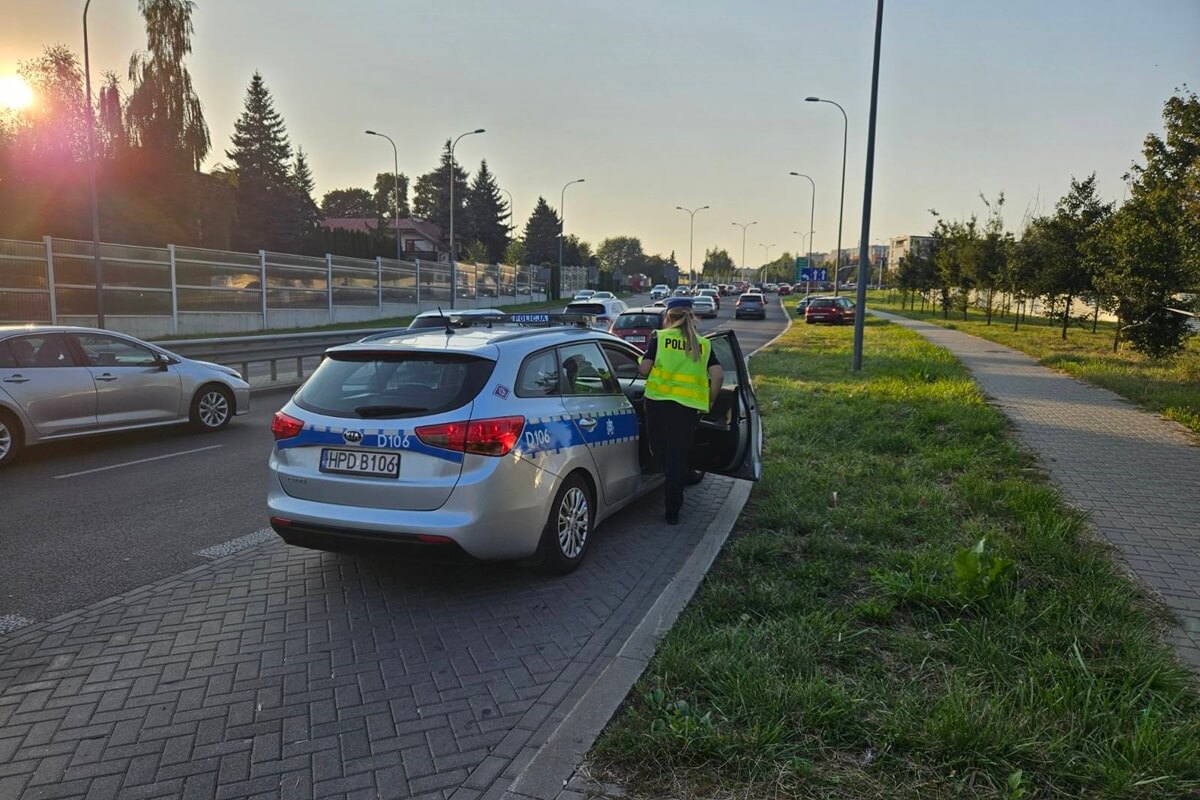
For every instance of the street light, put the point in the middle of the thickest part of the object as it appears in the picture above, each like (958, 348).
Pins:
(396, 182)
(865, 233)
(812, 210)
(766, 259)
(691, 235)
(743, 226)
(562, 227)
(91, 125)
(842, 201)
(453, 262)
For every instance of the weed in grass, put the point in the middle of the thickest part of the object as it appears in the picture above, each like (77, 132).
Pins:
(835, 652)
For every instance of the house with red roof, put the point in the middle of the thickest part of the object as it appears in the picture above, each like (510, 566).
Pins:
(418, 238)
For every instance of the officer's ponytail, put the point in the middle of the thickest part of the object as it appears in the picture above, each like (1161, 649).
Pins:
(682, 318)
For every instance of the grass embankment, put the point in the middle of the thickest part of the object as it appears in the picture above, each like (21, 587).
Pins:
(832, 652)
(389, 322)
(1172, 388)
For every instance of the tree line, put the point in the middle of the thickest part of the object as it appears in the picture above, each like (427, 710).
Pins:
(1139, 259)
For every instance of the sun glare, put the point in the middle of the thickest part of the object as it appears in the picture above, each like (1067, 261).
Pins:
(15, 93)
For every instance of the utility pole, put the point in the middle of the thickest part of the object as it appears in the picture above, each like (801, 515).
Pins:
(691, 236)
(864, 268)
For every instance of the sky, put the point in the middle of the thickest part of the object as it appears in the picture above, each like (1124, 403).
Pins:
(665, 103)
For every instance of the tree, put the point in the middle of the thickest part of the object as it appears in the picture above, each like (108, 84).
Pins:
(384, 201)
(516, 254)
(1070, 239)
(485, 214)
(576, 252)
(431, 195)
(718, 265)
(621, 252)
(989, 253)
(352, 203)
(541, 234)
(307, 217)
(265, 189)
(165, 115)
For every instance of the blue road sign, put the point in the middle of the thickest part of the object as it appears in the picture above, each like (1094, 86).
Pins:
(818, 274)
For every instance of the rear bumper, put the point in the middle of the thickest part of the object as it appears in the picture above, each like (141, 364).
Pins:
(498, 516)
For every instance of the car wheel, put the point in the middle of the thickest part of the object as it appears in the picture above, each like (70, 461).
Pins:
(212, 408)
(568, 530)
(11, 438)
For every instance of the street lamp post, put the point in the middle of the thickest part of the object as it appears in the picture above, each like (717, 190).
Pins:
(812, 210)
(766, 259)
(842, 202)
(453, 259)
(864, 244)
(743, 226)
(562, 228)
(691, 236)
(91, 144)
(395, 186)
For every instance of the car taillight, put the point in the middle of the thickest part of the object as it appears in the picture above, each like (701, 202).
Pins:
(485, 437)
(285, 427)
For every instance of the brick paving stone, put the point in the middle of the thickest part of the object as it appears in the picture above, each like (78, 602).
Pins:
(1136, 474)
(278, 671)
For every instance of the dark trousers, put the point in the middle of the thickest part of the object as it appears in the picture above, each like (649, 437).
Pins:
(672, 429)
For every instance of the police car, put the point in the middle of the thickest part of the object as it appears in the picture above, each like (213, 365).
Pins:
(511, 439)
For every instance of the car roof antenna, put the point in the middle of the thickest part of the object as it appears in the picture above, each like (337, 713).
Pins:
(446, 322)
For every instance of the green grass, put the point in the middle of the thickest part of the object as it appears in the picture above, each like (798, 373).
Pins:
(1171, 388)
(831, 652)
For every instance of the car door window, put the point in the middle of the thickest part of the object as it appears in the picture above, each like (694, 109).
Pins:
(7, 361)
(723, 350)
(624, 363)
(538, 376)
(46, 350)
(109, 351)
(585, 372)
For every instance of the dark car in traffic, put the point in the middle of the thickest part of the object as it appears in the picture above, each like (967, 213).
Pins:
(751, 305)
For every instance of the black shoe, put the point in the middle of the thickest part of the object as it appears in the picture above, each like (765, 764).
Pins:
(672, 518)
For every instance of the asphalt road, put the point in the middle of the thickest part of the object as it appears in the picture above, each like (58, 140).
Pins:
(84, 520)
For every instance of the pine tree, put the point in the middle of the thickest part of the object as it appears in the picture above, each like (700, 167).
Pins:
(431, 199)
(541, 234)
(262, 155)
(307, 216)
(486, 214)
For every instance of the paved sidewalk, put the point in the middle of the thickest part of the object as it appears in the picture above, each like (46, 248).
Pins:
(280, 672)
(1137, 474)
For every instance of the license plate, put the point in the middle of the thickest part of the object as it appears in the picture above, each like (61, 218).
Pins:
(635, 338)
(360, 462)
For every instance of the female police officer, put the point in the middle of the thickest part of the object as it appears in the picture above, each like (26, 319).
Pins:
(683, 379)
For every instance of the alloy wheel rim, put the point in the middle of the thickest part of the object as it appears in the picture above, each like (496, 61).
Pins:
(6, 440)
(214, 409)
(573, 520)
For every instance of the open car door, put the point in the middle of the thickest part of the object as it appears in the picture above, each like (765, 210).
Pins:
(729, 437)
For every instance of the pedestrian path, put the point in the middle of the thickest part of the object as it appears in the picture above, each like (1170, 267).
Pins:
(1135, 473)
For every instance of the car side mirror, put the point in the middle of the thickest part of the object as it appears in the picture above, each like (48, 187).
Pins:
(163, 361)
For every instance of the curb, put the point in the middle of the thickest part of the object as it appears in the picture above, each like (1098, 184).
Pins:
(545, 776)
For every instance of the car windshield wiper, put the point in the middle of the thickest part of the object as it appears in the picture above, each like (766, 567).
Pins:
(367, 412)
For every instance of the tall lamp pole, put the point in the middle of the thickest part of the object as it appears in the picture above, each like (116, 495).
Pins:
(837, 262)
(766, 259)
(743, 226)
(691, 236)
(864, 244)
(812, 210)
(91, 143)
(396, 187)
(453, 259)
(562, 228)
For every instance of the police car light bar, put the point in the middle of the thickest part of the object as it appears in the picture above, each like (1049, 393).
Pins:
(530, 318)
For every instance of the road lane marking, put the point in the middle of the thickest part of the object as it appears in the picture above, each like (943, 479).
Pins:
(12, 622)
(139, 461)
(238, 544)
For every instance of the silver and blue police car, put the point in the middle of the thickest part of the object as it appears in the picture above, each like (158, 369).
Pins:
(510, 439)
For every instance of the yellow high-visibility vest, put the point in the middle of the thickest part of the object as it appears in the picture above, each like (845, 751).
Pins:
(675, 375)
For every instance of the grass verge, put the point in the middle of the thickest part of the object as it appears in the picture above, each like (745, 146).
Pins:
(1171, 388)
(833, 652)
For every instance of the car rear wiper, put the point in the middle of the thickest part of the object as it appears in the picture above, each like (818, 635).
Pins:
(367, 412)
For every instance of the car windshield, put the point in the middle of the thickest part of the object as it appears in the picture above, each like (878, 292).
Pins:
(628, 321)
(374, 385)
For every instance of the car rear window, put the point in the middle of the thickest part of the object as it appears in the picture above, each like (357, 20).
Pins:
(751, 298)
(822, 303)
(596, 309)
(628, 321)
(393, 385)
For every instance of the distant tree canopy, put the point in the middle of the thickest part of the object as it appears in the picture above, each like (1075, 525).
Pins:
(718, 264)
(541, 234)
(431, 199)
(348, 203)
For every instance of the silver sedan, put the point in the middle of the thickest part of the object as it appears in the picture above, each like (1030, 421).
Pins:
(60, 382)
